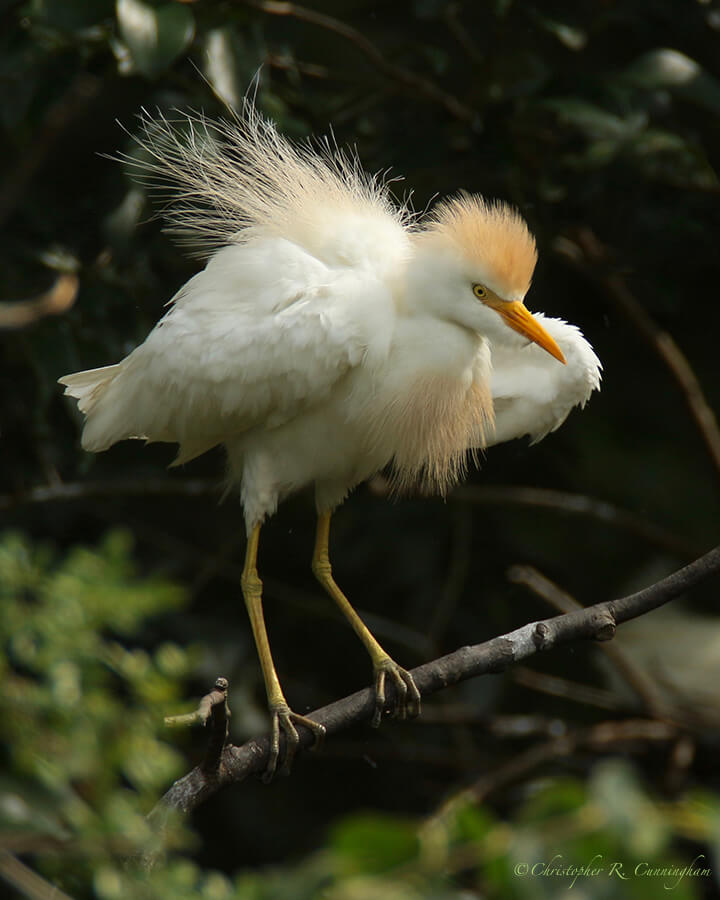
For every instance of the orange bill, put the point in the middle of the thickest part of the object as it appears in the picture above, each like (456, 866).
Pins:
(520, 319)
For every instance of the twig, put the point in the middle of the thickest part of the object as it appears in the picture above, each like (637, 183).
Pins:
(638, 680)
(28, 883)
(406, 77)
(588, 254)
(576, 505)
(598, 737)
(53, 302)
(288, 63)
(460, 33)
(218, 695)
(85, 490)
(596, 622)
(568, 690)
(72, 104)
(212, 706)
(500, 495)
(543, 587)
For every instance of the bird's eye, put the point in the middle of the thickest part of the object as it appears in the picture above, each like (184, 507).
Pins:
(480, 292)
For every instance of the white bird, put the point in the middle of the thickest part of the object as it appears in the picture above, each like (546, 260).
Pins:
(331, 334)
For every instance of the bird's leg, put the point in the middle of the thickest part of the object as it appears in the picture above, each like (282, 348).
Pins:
(282, 716)
(407, 696)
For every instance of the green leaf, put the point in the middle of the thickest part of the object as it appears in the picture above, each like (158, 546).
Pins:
(668, 157)
(374, 843)
(154, 37)
(570, 35)
(672, 71)
(555, 797)
(594, 121)
(616, 790)
(472, 823)
(70, 15)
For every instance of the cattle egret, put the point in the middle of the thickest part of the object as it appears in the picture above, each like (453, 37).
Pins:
(331, 333)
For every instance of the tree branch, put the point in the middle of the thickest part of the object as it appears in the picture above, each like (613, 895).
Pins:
(53, 302)
(76, 100)
(410, 81)
(588, 254)
(640, 682)
(595, 622)
(597, 738)
(28, 883)
(571, 504)
(213, 707)
(563, 502)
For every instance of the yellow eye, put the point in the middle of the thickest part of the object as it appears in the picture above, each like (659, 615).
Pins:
(480, 292)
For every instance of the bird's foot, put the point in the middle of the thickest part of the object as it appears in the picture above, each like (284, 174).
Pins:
(284, 718)
(406, 702)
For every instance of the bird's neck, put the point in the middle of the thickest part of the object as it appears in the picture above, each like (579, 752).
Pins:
(434, 401)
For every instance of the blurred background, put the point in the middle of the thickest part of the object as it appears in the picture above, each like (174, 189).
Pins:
(120, 580)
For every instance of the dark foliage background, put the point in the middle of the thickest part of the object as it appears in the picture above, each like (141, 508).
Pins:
(601, 122)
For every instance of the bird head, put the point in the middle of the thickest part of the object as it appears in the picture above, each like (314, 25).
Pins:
(473, 266)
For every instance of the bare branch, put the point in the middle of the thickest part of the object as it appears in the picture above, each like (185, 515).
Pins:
(568, 690)
(563, 502)
(212, 706)
(467, 41)
(218, 695)
(409, 80)
(288, 63)
(603, 737)
(595, 622)
(636, 678)
(543, 587)
(571, 504)
(53, 302)
(85, 490)
(83, 91)
(588, 254)
(28, 883)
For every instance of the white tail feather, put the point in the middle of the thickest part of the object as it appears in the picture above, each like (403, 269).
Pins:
(87, 387)
(103, 425)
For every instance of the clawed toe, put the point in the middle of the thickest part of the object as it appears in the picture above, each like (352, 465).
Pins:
(284, 718)
(406, 702)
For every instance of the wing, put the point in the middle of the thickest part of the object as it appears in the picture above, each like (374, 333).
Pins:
(534, 393)
(264, 332)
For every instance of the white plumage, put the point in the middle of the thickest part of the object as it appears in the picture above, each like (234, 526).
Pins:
(330, 335)
(532, 396)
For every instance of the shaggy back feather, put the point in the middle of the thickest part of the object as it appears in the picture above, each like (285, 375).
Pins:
(225, 180)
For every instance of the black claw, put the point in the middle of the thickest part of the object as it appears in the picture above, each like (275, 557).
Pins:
(319, 732)
(406, 699)
(412, 702)
(284, 718)
(379, 698)
(401, 689)
(292, 740)
(274, 754)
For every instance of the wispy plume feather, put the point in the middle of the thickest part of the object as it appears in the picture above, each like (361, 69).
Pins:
(223, 181)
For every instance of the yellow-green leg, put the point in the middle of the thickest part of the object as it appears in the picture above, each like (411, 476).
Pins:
(281, 714)
(407, 696)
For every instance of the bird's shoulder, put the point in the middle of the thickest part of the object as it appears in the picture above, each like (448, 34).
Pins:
(368, 239)
(270, 296)
(264, 332)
